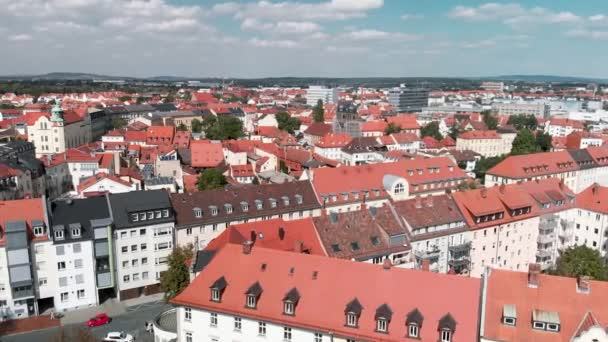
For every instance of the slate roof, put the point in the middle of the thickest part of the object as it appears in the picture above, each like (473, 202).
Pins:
(78, 211)
(134, 201)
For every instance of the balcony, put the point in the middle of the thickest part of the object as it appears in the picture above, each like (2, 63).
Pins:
(543, 255)
(23, 292)
(547, 226)
(545, 239)
(432, 254)
(104, 279)
(463, 247)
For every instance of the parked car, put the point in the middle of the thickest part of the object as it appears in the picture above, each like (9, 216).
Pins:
(118, 337)
(98, 320)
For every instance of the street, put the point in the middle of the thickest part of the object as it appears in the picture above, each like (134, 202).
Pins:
(132, 322)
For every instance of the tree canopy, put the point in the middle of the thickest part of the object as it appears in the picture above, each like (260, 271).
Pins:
(177, 276)
(524, 143)
(181, 127)
(490, 120)
(523, 121)
(431, 130)
(318, 112)
(543, 141)
(484, 164)
(210, 179)
(581, 261)
(287, 123)
(454, 131)
(118, 122)
(392, 128)
(197, 126)
(223, 127)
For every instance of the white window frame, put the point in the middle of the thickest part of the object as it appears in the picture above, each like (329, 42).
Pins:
(287, 334)
(413, 330)
(288, 308)
(262, 328)
(213, 319)
(238, 324)
(187, 314)
(351, 319)
(215, 295)
(251, 301)
(446, 335)
(382, 324)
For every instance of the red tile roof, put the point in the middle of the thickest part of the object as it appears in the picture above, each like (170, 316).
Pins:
(241, 170)
(594, 198)
(22, 210)
(88, 182)
(534, 164)
(373, 126)
(318, 129)
(136, 136)
(160, 135)
(431, 142)
(206, 153)
(291, 236)
(268, 131)
(334, 140)
(566, 123)
(553, 294)
(405, 138)
(181, 139)
(404, 121)
(479, 135)
(325, 287)
(190, 183)
(7, 171)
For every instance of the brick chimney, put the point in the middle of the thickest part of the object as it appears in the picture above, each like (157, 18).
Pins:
(426, 265)
(502, 188)
(561, 184)
(387, 264)
(484, 193)
(247, 247)
(281, 233)
(582, 284)
(298, 246)
(418, 202)
(533, 272)
(595, 189)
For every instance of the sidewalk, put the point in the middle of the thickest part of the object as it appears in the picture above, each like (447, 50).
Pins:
(111, 307)
(19, 326)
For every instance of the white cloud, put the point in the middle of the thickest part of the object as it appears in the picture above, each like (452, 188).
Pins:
(375, 35)
(281, 27)
(20, 37)
(588, 34)
(513, 14)
(411, 16)
(285, 43)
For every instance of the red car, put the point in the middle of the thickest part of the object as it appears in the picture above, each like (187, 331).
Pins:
(98, 320)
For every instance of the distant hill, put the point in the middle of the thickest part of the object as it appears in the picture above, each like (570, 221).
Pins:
(545, 79)
(63, 76)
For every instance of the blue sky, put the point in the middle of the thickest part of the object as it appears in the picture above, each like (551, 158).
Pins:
(333, 38)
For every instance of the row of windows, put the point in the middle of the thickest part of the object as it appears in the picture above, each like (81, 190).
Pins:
(150, 215)
(134, 263)
(135, 277)
(65, 296)
(134, 248)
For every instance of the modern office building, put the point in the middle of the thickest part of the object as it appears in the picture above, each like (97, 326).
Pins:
(323, 93)
(539, 110)
(408, 99)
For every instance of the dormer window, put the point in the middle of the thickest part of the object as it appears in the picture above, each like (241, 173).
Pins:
(414, 323)
(290, 301)
(142, 216)
(285, 200)
(509, 315)
(198, 212)
(134, 217)
(298, 199)
(546, 320)
(356, 195)
(383, 317)
(39, 230)
(213, 210)
(273, 203)
(410, 172)
(258, 204)
(59, 234)
(353, 312)
(447, 327)
(228, 208)
(252, 295)
(244, 206)
(399, 188)
(217, 289)
(75, 231)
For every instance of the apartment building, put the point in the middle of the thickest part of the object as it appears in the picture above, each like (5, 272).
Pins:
(437, 232)
(486, 143)
(284, 296)
(530, 306)
(59, 131)
(202, 216)
(577, 168)
(323, 93)
(24, 240)
(330, 146)
(591, 219)
(408, 100)
(346, 188)
(539, 110)
(560, 127)
(143, 238)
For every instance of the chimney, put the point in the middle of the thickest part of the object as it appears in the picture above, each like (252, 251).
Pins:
(595, 190)
(363, 206)
(281, 233)
(533, 272)
(561, 184)
(298, 246)
(502, 188)
(252, 236)
(484, 193)
(247, 247)
(582, 284)
(387, 264)
(451, 168)
(426, 265)
(418, 202)
(429, 201)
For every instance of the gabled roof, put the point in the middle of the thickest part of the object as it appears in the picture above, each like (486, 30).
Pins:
(24, 210)
(318, 129)
(534, 165)
(404, 121)
(374, 126)
(334, 140)
(553, 294)
(206, 154)
(594, 198)
(474, 135)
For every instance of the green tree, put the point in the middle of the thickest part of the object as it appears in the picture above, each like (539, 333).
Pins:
(286, 122)
(318, 112)
(581, 261)
(141, 100)
(454, 131)
(217, 96)
(197, 125)
(124, 98)
(524, 143)
(223, 127)
(182, 127)
(210, 179)
(523, 121)
(543, 141)
(187, 96)
(169, 99)
(490, 120)
(392, 128)
(177, 276)
(431, 130)
(118, 122)
(484, 164)
(6, 106)
(283, 167)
